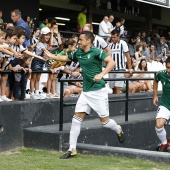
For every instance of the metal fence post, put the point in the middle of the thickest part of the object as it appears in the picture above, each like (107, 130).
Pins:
(61, 107)
(127, 101)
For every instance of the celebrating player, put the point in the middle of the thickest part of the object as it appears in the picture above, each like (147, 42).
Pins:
(163, 112)
(94, 93)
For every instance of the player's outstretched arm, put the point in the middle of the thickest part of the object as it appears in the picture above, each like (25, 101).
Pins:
(155, 89)
(57, 58)
(33, 55)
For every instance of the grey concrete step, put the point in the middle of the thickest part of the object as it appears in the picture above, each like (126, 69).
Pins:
(139, 133)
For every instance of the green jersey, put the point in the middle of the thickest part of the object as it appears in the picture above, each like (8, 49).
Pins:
(91, 64)
(165, 80)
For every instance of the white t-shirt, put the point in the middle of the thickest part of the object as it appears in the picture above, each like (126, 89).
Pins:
(103, 29)
(110, 26)
(99, 42)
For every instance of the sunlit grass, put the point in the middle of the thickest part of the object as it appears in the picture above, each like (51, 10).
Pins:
(30, 159)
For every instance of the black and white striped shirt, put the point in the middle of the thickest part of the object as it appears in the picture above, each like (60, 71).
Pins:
(118, 51)
(99, 42)
(33, 40)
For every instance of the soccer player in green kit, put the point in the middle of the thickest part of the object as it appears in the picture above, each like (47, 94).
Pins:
(94, 93)
(163, 112)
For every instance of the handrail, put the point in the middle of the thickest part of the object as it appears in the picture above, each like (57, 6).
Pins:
(127, 99)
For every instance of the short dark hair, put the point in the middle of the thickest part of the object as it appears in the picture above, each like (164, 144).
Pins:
(151, 45)
(122, 19)
(88, 35)
(10, 32)
(115, 31)
(20, 31)
(167, 60)
(17, 12)
(138, 46)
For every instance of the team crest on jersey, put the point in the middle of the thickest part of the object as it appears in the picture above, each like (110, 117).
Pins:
(88, 56)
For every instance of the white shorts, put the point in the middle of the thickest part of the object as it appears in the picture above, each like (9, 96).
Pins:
(163, 112)
(113, 84)
(96, 100)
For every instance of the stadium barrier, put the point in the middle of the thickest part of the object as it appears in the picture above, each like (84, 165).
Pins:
(126, 99)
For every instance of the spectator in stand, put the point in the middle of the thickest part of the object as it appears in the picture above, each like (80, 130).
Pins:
(109, 23)
(68, 47)
(135, 39)
(138, 53)
(35, 38)
(1, 21)
(122, 27)
(20, 83)
(144, 40)
(30, 23)
(16, 18)
(18, 47)
(162, 49)
(103, 28)
(117, 27)
(44, 23)
(55, 41)
(81, 19)
(37, 64)
(73, 87)
(150, 53)
(9, 25)
(98, 42)
(10, 40)
(4, 77)
(141, 85)
(134, 86)
(146, 83)
(120, 54)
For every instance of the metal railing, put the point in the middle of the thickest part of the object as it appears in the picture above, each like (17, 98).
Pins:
(126, 99)
(68, 34)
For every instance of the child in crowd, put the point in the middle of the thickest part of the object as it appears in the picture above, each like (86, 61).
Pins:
(35, 38)
(9, 54)
(10, 37)
(73, 87)
(20, 82)
(18, 47)
(2, 40)
(55, 41)
(38, 65)
(68, 46)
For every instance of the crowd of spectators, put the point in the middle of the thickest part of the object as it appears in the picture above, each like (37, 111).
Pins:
(22, 47)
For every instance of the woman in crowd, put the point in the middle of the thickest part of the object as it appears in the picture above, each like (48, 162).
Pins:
(141, 85)
(138, 53)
